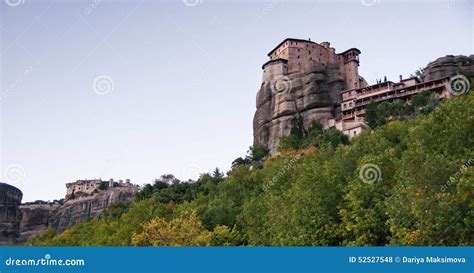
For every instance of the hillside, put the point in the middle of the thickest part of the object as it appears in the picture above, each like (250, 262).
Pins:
(408, 182)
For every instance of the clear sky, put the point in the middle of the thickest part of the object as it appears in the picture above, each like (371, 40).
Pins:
(133, 89)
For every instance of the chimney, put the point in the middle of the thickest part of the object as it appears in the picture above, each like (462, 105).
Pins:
(401, 78)
(127, 181)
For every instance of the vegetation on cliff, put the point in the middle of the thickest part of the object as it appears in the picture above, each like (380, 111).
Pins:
(409, 182)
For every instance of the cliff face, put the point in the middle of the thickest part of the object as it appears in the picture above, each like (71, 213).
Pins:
(312, 94)
(90, 207)
(449, 66)
(10, 215)
(37, 218)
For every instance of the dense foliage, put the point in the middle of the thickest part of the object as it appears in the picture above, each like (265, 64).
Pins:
(315, 136)
(422, 193)
(379, 114)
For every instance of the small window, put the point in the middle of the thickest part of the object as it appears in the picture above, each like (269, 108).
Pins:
(298, 56)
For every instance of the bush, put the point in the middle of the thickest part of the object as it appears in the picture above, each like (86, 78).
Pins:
(103, 185)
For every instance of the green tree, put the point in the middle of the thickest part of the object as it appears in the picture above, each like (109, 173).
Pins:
(257, 152)
(371, 115)
(240, 161)
(184, 231)
(103, 185)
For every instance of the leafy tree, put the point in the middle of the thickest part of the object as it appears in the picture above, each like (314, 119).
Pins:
(257, 152)
(371, 117)
(334, 137)
(288, 143)
(420, 99)
(116, 210)
(186, 230)
(103, 185)
(298, 129)
(217, 174)
(240, 161)
(315, 136)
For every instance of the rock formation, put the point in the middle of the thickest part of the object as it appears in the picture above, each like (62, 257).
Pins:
(302, 79)
(313, 95)
(305, 79)
(90, 207)
(36, 218)
(10, 215)
(449, 66)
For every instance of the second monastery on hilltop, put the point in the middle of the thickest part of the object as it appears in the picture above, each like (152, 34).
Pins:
(89, 186)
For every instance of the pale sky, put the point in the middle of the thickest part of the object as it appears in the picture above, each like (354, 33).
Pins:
(133, 89)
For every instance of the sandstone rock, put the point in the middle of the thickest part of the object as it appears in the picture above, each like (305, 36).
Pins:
(90, 207)
(10, 215)
(35, 219)
(449, 66)
(314, 95)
